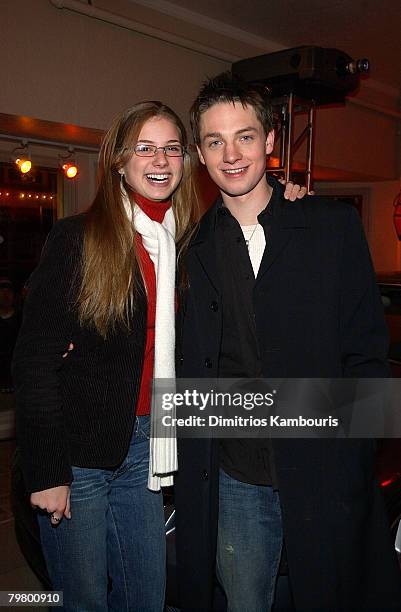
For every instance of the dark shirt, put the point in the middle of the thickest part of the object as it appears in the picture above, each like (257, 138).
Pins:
(245, 459)
(239, 352)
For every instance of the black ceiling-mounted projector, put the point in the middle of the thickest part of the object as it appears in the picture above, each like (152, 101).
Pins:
(314, 73)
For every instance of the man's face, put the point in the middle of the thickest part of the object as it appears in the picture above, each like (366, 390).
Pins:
(233, 146)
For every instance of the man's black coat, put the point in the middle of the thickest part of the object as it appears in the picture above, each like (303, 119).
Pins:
(318, 314)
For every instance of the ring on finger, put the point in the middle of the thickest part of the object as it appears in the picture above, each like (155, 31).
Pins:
(54, 518)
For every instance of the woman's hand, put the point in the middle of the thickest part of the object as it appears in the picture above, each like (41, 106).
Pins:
(55, 501)
(70, 348)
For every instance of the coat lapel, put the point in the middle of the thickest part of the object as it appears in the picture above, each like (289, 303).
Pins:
(204, 248)
(288, 217)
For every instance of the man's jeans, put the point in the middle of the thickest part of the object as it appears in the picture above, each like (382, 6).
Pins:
(249, 544)
(111, 554)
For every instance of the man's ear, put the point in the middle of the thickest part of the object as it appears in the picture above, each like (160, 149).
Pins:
(201, 158)
(269, 142)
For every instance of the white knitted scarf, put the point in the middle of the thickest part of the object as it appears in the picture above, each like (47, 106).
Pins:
(159, 241)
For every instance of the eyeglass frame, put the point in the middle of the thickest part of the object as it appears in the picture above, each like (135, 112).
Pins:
(155, 149)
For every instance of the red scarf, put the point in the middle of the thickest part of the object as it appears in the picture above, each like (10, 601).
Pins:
(156, 212)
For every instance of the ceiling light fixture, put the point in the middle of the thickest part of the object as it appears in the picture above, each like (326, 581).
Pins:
(69, 167)
(20, 156)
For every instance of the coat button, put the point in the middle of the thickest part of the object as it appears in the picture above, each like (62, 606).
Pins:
(181, 360)
(214, 306)
(205, 475)
(208, 363)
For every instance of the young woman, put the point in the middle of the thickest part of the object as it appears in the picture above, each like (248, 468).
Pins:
(105, 283)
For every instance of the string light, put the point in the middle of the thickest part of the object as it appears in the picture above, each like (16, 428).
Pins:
(23, 195)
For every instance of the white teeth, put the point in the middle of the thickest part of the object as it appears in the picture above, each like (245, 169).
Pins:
(157, 177)
(236, 171)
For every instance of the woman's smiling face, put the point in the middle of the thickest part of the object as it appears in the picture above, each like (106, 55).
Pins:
(157, 177)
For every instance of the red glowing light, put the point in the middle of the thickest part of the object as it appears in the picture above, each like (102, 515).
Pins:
(70, 170)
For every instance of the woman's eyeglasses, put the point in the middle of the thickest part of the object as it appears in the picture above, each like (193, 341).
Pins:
(147, 150)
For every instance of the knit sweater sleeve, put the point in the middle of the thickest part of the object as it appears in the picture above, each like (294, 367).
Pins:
(47, 329)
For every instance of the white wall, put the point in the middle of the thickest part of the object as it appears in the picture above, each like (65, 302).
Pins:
(62, 66)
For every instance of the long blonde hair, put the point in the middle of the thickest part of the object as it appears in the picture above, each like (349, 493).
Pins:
(111, 276)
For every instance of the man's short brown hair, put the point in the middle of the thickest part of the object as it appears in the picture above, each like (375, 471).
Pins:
(226, 87)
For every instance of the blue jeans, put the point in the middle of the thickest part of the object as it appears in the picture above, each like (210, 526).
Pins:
(249, 544)
(111, 554)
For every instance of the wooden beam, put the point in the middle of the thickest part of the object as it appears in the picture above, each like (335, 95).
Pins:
(20, 126)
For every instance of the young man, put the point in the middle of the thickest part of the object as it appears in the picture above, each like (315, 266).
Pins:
(277, 290)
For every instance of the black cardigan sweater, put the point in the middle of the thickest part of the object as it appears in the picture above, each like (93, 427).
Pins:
(77, 410)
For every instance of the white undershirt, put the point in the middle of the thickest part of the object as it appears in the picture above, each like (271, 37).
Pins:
(257, 244)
